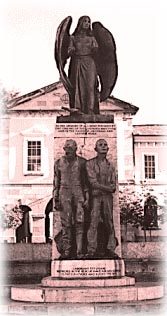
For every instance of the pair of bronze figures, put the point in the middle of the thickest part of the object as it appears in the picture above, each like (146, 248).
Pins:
(83, 193)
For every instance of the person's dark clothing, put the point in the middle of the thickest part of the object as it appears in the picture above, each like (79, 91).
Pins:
(23, 230)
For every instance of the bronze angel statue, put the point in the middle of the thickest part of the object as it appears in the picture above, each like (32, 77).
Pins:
(93, 63)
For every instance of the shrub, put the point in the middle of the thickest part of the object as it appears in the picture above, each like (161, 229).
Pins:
(131, 207)
(11, 217)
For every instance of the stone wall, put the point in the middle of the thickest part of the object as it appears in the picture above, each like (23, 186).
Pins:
(31, 262)
(42, 252)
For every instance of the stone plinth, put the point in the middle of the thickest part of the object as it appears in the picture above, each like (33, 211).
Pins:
(87, 269)
(57, 282)
(43, 294)
(86, 118)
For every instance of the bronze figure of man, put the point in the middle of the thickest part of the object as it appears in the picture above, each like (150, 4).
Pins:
(70, 196)
(102, 179)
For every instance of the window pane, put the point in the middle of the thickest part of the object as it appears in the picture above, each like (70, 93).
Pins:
(39, 151)
(34, 156)
(149, 166)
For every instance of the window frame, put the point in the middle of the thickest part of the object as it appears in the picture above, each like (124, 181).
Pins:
(25, 155)
(143, 165)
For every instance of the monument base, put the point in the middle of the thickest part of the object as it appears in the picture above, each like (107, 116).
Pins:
(100, 282)
(87, 294)
(83, 286)
(87, 269)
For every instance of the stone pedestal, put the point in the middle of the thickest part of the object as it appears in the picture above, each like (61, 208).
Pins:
(86, 269)
(87, 281)
(86, 118)
(87, 293)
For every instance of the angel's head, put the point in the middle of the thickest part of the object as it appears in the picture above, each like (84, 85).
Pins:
(84, 24)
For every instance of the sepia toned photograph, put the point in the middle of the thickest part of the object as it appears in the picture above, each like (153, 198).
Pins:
(83, 182)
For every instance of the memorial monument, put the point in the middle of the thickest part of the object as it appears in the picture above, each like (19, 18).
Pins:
(93, 64)
(87, 264)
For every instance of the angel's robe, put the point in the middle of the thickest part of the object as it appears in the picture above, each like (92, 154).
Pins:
(83, 74)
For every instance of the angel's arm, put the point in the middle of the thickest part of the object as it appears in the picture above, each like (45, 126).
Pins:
(71, 47)
(94, 44)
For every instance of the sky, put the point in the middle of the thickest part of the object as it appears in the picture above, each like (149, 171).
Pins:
(28, 31)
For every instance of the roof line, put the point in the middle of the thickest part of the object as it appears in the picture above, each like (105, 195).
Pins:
(149, 124)
(36, 93)
(149, 135)
(128, 107)
(135, 108)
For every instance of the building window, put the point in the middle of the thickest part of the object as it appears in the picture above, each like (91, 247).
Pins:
(149, 166)
(34, 156)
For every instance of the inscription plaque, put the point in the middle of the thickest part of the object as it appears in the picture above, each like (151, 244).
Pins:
(87, 268)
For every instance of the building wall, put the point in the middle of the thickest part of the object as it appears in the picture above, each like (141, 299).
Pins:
(34, 190)
(150, 140)
(148, 148)
(22, 128)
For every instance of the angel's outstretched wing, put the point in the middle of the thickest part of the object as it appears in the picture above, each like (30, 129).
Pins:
(106, 60)
(61, 50)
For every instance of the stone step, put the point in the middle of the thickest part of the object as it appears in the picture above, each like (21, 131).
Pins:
(57, 282)
(152, 307)
(122, 308)
(42, 294)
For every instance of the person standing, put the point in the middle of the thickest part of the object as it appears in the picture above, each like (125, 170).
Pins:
(70, 196)
(102, 179)
(23, 232)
